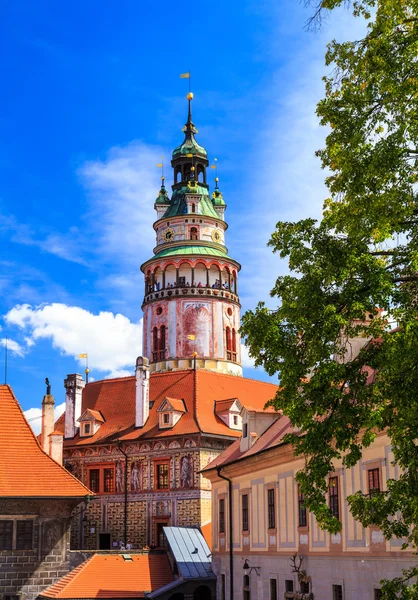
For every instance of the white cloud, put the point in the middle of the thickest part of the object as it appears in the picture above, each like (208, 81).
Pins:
(112, 341)
(34, 416)
(120, 373)
(123, 188)
(287, 182)
(12, 346)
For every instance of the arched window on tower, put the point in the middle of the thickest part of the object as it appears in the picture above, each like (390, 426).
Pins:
(163, 338)
(193, 208)
(193, 233)
(234, 345)
(155, 344)
(201, 173)
(177, 175)
(228, 344)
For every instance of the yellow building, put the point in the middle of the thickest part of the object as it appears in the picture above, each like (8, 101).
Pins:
(254, 481)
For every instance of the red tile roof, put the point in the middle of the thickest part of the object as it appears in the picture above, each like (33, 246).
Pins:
(95, 414)
(25, 469)
(176, 404)
(115, 399)
(111, 576)
(273, 436)
(224, 405)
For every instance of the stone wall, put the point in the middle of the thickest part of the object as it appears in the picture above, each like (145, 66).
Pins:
(29, 572)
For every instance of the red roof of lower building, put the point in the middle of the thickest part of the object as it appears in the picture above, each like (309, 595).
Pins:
(25, 469)
(115, 399)
(113, 576)
(273, 436)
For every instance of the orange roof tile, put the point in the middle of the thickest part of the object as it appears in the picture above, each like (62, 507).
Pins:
(115, 399)
(111, 576)
(97, 416)
(224, 405)
(35, 477)
(273, 436)
(207, 533)
(176, 404)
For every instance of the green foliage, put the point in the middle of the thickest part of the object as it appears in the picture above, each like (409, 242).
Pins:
(353, 275)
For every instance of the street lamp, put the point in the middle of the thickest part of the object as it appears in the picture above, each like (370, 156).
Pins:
(248, 569)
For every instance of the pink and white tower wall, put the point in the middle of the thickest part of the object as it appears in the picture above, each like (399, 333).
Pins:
(191, 305)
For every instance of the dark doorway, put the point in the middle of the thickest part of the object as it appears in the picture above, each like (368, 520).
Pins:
(202, 593)
(161, 539)
(104, 541)
(177, 596)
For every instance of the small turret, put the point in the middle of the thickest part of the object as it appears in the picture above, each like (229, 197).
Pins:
(163, 201)
(218, 200)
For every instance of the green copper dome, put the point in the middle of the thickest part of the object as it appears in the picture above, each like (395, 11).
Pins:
(178, 204)
(162, 196)
(194, 250)
(217, 198)
(189, 146)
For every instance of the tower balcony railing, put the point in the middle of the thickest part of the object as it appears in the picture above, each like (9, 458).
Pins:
(190, 290)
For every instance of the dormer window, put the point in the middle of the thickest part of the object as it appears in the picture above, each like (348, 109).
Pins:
(170, 412)
(90, 422)
(229, 411)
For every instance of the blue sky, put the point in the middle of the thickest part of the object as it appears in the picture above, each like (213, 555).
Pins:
(91, 99)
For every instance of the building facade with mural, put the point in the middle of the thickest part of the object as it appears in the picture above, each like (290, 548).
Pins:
(278, 550)
(140, 442)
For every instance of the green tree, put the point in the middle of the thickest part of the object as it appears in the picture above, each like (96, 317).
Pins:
(353, 275)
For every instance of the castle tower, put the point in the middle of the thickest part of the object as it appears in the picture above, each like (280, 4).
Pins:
(191, 304)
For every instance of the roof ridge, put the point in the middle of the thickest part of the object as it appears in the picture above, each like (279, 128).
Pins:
(92, 383)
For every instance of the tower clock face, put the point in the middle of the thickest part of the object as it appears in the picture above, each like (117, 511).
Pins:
(216, 235)
(168, 234)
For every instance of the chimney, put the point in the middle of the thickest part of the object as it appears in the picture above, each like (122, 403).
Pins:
(74, 385)
(56, 440)
(47, 421)
(142, 391)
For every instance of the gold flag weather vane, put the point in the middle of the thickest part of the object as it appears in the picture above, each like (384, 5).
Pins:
(186, 76)
(86, 370)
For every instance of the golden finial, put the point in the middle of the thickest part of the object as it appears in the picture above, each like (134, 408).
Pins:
(161, 166)
(190, 96)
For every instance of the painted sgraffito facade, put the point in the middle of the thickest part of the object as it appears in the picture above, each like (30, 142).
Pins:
(183, 499)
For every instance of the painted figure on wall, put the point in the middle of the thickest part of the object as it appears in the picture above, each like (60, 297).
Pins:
(136, 476)
(119, 477)
(51, 536)
(186, 472)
